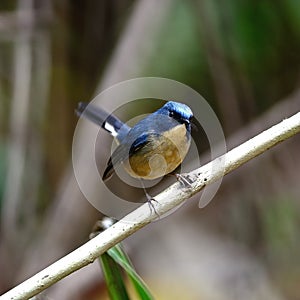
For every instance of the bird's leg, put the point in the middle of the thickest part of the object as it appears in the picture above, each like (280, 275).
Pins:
(183, 179)
(149, 200)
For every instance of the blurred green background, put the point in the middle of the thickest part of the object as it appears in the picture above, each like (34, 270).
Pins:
(242, 56)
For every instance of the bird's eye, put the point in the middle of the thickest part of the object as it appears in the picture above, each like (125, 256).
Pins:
(171, 114)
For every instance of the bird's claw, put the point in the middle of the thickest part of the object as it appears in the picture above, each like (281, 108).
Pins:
(184, 180)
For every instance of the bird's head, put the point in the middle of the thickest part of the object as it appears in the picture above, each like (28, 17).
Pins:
(178, 111)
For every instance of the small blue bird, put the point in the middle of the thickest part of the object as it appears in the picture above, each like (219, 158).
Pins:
(153, 147)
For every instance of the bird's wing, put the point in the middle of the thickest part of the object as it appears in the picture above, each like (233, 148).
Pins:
(142, 142)
(125, 151)
(118, 156)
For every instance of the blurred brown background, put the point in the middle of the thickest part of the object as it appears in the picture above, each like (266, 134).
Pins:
(242, 56)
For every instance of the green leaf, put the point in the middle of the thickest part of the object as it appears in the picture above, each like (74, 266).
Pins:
(113, 278)
(120, 257)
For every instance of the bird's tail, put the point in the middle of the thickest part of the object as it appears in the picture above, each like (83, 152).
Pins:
(102, 118)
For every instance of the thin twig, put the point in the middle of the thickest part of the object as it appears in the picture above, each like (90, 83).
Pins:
(167, 200)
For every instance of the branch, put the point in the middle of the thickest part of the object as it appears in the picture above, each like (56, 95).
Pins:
(167, 200)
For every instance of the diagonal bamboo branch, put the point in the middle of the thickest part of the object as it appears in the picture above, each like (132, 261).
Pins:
(168, 199)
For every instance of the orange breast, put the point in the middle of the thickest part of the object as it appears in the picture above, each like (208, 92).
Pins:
(161, 157)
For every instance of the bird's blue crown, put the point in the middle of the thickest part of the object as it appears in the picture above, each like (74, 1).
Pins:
(176, 110)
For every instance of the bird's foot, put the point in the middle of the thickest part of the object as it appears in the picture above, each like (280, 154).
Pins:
(185, 180)
(150, 201)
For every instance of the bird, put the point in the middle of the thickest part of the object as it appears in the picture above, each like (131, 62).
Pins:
(152, 148)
